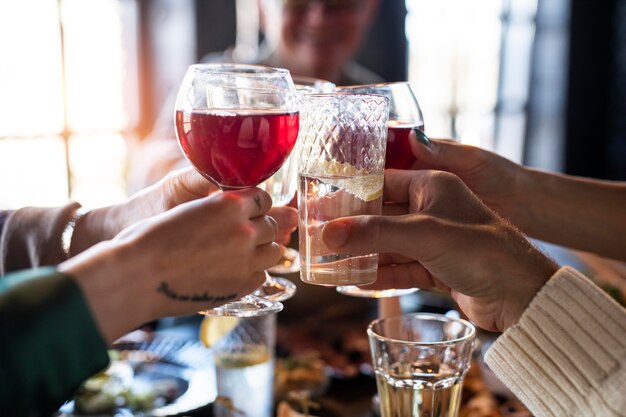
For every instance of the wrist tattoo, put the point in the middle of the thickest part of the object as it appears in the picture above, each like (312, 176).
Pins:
(204, 297)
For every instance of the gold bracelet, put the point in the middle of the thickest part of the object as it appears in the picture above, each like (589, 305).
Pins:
(68, 231)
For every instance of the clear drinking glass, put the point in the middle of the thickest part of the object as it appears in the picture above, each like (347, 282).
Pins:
(341, 151)
(420, 361)
(244, 365)
(237, 124)
(282, 186)
(405, 115)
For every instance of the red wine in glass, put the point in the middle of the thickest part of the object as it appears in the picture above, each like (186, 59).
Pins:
(237, 124)
(399, 154)
(237, 150)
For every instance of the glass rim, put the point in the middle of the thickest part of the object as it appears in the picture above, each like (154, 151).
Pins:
(428, 316)
(260, 70)
(335, 94)
(373, 85)
(311, 80)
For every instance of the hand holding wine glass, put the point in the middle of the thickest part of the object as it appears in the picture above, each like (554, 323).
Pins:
(237, 124)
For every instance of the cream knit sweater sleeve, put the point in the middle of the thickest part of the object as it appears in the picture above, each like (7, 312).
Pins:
(567, 354)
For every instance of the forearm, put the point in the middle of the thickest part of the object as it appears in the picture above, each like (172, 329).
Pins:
(112, 285)
(105, 223)
(31, 237)
(575, 212)
(567, 354)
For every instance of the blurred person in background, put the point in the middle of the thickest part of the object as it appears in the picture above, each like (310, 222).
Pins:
(318, 38)
(310, 38)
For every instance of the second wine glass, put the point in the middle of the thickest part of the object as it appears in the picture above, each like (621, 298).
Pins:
(283, 184)
(237, 124)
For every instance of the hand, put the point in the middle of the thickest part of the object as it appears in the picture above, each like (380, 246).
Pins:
(195, 256)
(494, 179)
(287, 222)
(576, 212)
(176, 188)
(104, 223)
(447, 238)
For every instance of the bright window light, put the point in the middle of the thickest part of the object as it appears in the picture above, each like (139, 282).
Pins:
(454, 49)
(43, 112)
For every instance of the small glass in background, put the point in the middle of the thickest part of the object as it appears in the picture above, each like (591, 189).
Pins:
(244, 364)
(420, 361)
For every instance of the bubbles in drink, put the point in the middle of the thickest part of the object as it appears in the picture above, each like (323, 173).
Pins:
(324, 198)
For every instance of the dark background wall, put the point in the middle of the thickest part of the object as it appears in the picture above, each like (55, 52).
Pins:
(595, 128)
(384, 51)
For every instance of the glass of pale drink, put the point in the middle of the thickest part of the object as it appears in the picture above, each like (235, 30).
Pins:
(420, 361)
(341, 160)
(244, 365)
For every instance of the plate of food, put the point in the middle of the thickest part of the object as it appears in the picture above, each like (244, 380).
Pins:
(157, 376)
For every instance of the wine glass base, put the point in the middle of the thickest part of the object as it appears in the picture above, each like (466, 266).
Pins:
(279, 289)
(289, 262)
(355, 291)
(248, 306)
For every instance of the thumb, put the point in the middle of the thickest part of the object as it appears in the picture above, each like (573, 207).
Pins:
(187, 184)
(361, 235)
(441, 154)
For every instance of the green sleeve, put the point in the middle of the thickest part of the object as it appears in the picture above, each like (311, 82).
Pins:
(49, 342)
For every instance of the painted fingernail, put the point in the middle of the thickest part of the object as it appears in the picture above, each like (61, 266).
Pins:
(421, 137)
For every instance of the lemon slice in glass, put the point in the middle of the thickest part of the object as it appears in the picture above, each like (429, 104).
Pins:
(214, 328)
(366, 188)
(357, 182)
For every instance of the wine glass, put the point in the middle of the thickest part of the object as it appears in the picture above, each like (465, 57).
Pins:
(282, 187)
(404, 115)
(237, 124)
(283, 184)
(312, 85)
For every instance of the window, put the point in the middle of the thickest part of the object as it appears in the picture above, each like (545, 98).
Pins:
(469, 63)
(63, 103)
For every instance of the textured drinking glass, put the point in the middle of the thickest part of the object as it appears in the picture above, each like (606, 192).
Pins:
(341, 151)
(244, 364)
(405, 115)
(283, 184)
(420, 361)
